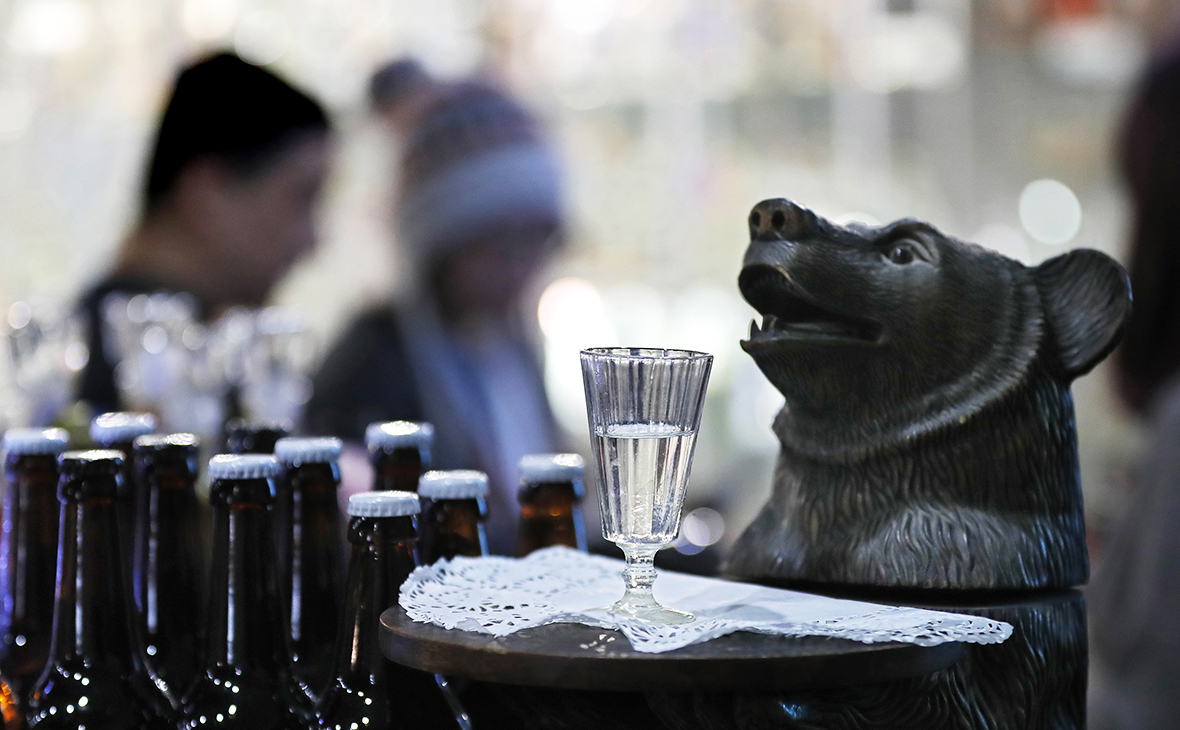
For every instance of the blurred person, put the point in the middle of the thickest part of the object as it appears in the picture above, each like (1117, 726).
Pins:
(235, 173)
(1135, 595)
(479, 209)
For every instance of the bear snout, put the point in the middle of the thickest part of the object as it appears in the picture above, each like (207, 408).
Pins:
(779, 219)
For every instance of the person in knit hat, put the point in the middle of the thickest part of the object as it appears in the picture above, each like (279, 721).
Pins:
(479, 209)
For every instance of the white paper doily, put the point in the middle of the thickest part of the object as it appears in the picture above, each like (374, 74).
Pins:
(499, 596)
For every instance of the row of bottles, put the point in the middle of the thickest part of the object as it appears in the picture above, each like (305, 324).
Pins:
(271, 639)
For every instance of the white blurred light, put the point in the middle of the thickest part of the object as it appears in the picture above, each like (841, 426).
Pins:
(637, 313)
(572, 308)
(77, 354)
(261, 37)
(583, 16)
(1050, 212)
(572, 316)
(19, 315)
(48, 27)
(18, 107)
(1004, 239)
(207, 20)
(1103, 50)
(907, 50)
(155, 339)
(703, 526)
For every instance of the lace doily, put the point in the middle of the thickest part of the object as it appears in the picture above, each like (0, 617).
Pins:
(499, 596)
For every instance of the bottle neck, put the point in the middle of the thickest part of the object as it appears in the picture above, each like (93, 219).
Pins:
(307, 519)
(550, 514)
(384, 553)
(398, 469)
(452, 527)
(28, 541)
(166, 561)
(244, 627)
(92, 614)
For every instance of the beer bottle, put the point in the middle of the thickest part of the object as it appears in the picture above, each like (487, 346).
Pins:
(399, 452)
(454, 509)
(28, 541)
(307, 530)
(550, 502)
(166, 555)
(96, 675)
(117, 431)
(246, 680)
(254, 437)
(367, 690)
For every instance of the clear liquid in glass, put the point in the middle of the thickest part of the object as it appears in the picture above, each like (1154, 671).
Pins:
(645, 469)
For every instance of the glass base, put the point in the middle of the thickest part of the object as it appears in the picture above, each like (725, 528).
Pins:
(645, 608)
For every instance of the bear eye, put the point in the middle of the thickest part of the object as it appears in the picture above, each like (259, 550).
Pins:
(901, 254)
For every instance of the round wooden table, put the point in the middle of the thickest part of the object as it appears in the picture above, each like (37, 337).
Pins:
(578, 657)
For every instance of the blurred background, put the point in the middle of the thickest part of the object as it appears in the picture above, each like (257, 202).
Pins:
(993, 119)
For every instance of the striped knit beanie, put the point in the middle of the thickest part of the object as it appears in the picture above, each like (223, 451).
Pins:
(472, 158)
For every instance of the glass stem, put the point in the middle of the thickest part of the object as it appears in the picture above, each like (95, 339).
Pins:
(638, 575)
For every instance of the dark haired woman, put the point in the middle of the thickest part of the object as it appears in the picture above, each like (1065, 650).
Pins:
(237, 167)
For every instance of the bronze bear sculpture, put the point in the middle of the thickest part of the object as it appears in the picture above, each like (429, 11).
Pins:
(928, 456)
(928, 437)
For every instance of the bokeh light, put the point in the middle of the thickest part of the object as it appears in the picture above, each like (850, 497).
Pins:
(1050, 212)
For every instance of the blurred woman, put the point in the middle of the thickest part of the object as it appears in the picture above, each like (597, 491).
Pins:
(479, 209)
(1135, 595)
(236, 170)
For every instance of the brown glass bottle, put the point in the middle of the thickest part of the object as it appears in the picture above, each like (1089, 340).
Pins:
(399, 452)
(96, 676)
(307, 532)
(550, 503)
(246, 680)
(454, 509)
(118, 431)
(367, 690)
(28, 540)
(166, 556)
(254, 437)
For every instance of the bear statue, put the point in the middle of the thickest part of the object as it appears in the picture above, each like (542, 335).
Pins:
(928, 452)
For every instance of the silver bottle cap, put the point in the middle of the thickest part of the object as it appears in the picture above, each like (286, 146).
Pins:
(308, 450)
(36, 440)
(243, 466)
(456, 484)
(383, 504)
(552, 468)
(110, 428)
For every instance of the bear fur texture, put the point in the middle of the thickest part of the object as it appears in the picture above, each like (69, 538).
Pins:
(928, 438)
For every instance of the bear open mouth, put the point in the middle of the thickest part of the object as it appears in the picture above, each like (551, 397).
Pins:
(788, 314)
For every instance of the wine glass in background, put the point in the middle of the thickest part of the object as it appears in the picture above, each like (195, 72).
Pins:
(644, 407)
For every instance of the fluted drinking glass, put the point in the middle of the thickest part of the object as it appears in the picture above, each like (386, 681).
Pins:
(644, 407)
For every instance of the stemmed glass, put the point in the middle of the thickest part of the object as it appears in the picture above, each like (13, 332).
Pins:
(644, 407)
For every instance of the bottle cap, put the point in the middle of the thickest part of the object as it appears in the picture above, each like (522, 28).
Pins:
(398, 434)
(243, 466)
(111, 428)
(308, 450)
(552, 468)
(92, 463)
(186, 443)
(456, 484)
(383, 504)
(36, 440)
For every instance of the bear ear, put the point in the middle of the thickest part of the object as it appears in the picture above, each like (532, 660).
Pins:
(1086, 297)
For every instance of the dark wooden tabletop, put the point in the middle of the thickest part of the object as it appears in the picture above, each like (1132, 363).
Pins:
(574, 656)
